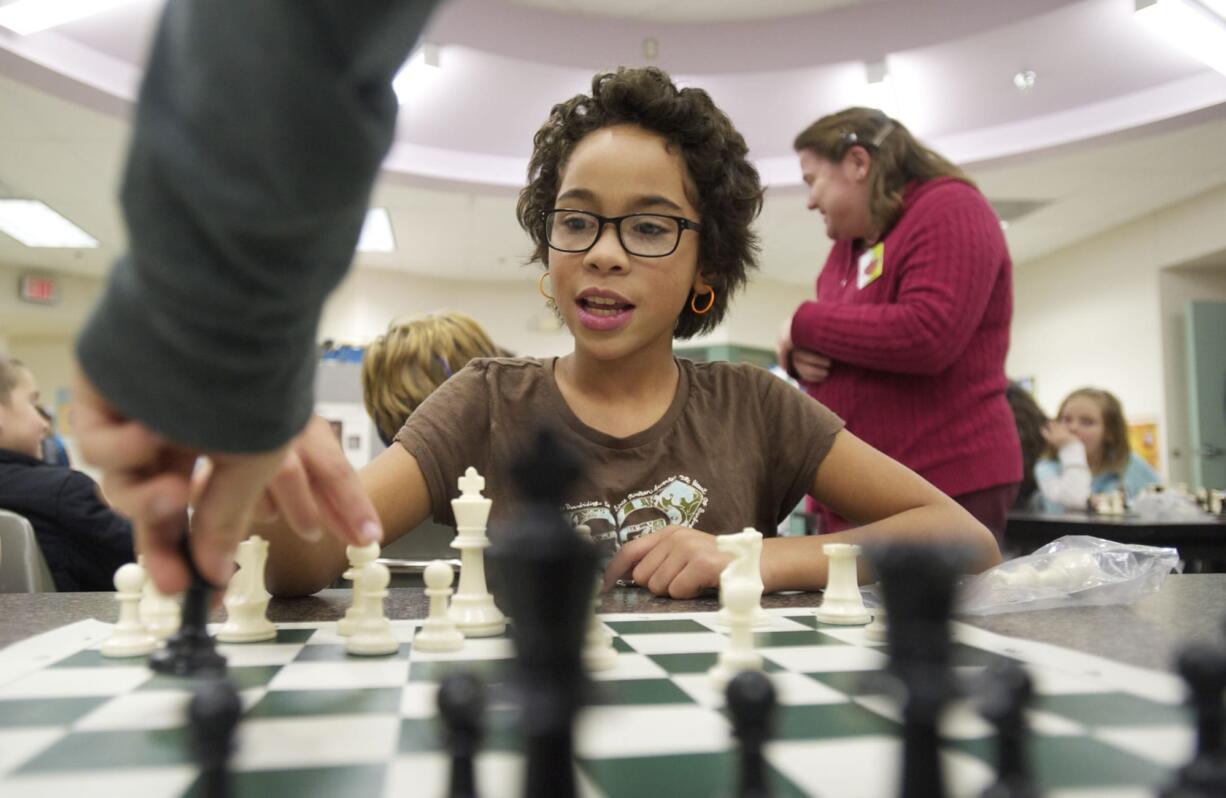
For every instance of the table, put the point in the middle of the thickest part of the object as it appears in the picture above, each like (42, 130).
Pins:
(1202, 541)
(1189, 608)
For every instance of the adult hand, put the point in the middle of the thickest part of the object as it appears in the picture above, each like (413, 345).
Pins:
(149, 479)
(1056, 434)
(315, 487)
(676, 561)
(811, 367)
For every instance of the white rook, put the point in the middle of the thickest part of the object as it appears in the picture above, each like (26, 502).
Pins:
(842, 602)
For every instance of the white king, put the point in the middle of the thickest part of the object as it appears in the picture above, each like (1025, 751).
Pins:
(472, 607)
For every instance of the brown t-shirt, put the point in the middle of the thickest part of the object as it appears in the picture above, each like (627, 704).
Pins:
(737, 447)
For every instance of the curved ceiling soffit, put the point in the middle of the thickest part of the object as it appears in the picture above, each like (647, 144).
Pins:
(70, 69)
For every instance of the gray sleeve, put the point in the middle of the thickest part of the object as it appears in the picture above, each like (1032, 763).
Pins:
(258, 135)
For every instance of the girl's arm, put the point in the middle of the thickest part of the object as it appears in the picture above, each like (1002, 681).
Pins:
(395, 485)
(1066, 483)
(892, 502)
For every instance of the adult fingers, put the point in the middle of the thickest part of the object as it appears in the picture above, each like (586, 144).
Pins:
(290, 491)
(810, 358)
(149, 499)
(223, 515)
(159, 544)
(344, 504)
(627, 557)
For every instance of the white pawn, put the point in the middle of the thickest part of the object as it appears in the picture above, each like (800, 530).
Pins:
(877, 631)
(438, 633)
(130, 638)
(373, 635)
(842, 602)
(359, 558)
(158, 612)
(598, 651)
(246, 599)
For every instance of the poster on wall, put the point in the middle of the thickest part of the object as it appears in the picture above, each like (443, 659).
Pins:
(352, 429)
(1143, 438)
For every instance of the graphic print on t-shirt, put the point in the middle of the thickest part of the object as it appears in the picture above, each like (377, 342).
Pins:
(677, 501)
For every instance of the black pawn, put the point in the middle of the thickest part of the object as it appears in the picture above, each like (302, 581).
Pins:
(461, 702)
(918, 584)
(213, 716)
(751, 702)
(1006, 690)
(1204, 670)
(190, 651)
(547, 572)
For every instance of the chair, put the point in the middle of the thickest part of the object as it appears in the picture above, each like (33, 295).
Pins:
(22, 566)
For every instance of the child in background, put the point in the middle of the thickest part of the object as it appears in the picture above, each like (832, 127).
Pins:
(407, 363)
(82, 540)
(1089, 453)
(639, 204)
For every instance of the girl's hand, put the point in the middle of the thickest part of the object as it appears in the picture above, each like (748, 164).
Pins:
(1056, 434)
(677, 561)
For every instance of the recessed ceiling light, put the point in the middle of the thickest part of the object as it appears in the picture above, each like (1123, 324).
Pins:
(31, 16)
(1024, 80)
(377, 232)
(879, 90)
(35, 224)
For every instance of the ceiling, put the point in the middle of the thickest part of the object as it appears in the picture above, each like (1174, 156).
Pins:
(1117, 126)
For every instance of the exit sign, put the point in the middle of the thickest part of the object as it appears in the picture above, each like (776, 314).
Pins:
(42, 290)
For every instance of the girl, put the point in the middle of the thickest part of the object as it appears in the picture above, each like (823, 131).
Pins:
(639, 203)
(1089, 453)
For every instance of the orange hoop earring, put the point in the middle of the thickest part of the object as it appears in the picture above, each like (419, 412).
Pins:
(540, 286)
(707, 309)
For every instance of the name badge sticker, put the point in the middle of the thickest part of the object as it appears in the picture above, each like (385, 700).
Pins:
(870, 265)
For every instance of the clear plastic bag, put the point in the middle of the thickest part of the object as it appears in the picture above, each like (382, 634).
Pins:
(1073, 571)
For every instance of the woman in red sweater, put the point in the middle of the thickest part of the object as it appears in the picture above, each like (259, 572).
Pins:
(907, 337)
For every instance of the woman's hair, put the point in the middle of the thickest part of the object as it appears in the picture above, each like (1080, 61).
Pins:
(1029, 418)
(10, 373)
(1116, 449)
(407, 363)
(720, 181)
(898, 158)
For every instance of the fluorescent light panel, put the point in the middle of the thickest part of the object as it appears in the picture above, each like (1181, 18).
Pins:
(31, 16)
(377, 232)
(1190, 26)
(35, 224)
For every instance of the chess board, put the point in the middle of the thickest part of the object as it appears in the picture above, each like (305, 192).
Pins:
(320, 723)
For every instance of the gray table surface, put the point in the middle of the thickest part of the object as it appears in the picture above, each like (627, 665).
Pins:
(1188, 608)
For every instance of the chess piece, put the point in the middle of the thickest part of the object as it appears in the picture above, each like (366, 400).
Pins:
(246, 599)
(190, 650)
(213, 716)
(598, 651)
(1006, 689)
(841, 601)
(439, 632)
(359, 558)
(130, 637)
(158, 612)
(472, 607)
(548, 573)
(1204, 670)
(751, 703)
(918, 583)
(877, 631)
(461, 703)
(760, 618)
(740, 590)
(373, 635)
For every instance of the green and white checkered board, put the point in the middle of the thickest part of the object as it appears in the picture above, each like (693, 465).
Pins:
(320, 723)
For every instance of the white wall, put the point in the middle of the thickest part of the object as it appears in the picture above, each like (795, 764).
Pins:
(369, 299)
(1091, 314)
(1177, 288)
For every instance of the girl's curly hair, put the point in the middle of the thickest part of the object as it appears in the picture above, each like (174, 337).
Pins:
(720, 181)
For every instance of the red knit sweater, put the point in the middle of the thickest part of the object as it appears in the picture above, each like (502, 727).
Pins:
(919, 353)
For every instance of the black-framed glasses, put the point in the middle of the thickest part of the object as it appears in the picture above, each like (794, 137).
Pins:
(645, 235)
